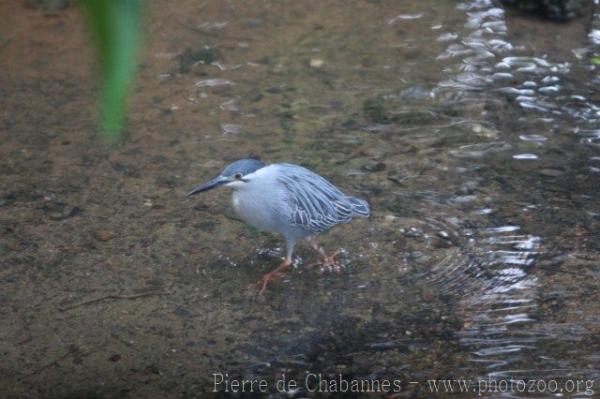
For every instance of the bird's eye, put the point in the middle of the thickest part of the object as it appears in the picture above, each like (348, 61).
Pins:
(237, 176)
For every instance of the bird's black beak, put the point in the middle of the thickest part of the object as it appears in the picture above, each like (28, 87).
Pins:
(214, 183)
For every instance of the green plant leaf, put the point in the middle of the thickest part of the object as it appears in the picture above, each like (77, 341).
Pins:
(115, 28)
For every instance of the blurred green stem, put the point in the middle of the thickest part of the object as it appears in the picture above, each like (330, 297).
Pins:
(115, 27)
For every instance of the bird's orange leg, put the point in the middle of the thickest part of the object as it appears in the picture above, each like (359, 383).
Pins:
(328, 261)
(267, 278)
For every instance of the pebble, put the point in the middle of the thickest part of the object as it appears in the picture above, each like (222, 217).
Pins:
(105, 235)
(551, 172)
(231, 128)
(59, 211)
(316, 63)
(374, 167)
(390, 218)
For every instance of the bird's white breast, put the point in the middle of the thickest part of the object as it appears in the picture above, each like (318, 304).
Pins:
(256, 202)
(236, 202)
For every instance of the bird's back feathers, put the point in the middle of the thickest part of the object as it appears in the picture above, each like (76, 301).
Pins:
(360, 207)
(314, 203)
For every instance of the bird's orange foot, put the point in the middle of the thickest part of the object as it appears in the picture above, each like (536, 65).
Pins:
(329, 263)
(267, 278)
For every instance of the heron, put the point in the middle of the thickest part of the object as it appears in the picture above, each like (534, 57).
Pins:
(287, 199)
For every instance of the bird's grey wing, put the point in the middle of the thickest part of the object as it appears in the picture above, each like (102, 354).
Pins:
(313, 202)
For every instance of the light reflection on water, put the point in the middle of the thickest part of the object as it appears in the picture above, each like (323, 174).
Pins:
(502, 328)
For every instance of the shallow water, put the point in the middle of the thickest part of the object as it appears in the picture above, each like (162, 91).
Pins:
(472, 132)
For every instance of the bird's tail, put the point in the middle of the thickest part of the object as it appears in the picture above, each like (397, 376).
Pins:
(359, 207)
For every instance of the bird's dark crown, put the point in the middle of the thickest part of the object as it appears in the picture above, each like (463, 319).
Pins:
(243, 166)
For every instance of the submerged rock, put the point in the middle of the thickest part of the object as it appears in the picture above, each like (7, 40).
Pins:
(557, 10)
(60, 211)
(189, 58)
(105, 235)
(374, 166)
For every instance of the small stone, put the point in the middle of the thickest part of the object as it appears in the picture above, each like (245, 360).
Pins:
(398, 179)
(214, 82)
(151, 369)
(316, 63)
(105, 235)
(551, 172)
(413, 233)
(182, 312)
(190, 58)
(374, 167)
(115, 358)
(231, 128)
(60, 211)
(390, 218)
(486, 132)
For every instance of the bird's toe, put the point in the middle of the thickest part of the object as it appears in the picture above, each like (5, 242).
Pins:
(330, 263)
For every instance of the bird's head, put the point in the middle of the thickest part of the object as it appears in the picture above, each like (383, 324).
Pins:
(234, 176)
